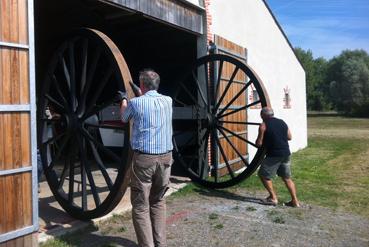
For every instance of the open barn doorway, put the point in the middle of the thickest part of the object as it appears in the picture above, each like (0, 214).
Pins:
(61, 40)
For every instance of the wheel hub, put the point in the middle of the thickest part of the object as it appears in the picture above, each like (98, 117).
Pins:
(212, 121)
(73, 122)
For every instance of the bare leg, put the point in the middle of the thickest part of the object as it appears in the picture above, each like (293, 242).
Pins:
(292, 189)
(268, 184)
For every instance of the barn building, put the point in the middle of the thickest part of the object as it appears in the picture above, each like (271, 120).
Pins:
(271, 55)
(167, 35)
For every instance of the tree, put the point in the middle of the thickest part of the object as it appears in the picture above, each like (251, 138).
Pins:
(348, 75)
(317, 89)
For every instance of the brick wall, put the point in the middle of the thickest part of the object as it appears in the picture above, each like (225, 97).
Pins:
(209, 20)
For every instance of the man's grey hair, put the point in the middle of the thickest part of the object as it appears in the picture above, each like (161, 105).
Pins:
(150, 79)
(267, 111)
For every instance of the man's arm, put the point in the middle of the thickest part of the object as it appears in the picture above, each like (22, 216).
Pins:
(289, 135)
(123, 108)
(259, 140)
(126, 110)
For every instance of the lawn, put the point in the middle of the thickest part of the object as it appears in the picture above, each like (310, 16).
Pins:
(333, 171)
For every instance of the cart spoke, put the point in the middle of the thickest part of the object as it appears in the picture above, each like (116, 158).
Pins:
(86, 166)
(199, 89)
(191, 139)
(72, 71)
(179, 102)
(66, 72)
(58, 90)
(96, 109)
(71, 177)
(192, 161)
(101, 146)
(239, 109)
(189, 161)
(99, 89)
(55, 102)
(220, 70)
(107, 126)
(226, 88)
(54, 138)
(84, 65)
(188, 93)
(232, 145)
(238, 136)
(58, 154)
(101, 166)
(82, 165)
(90, 75)
(230, 171)
(243, 89)
(241, 123)
(63, 176)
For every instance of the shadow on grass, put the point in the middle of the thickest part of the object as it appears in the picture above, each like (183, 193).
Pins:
(89, 237)
(105, 241)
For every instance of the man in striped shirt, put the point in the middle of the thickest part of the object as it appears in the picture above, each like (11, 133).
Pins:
(151, 141)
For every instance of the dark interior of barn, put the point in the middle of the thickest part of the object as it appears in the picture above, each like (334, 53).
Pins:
(144, 42)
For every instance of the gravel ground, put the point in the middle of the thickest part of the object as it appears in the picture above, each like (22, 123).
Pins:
(235, 219)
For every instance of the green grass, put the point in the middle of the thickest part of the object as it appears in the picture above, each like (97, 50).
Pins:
(55, 243)
(213, 216)
(219, 226)
(333, 170)
(185, 191)
(70, 240)
(276, 217)
(338, 122)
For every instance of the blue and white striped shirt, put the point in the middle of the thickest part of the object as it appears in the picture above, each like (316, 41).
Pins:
(152, 122)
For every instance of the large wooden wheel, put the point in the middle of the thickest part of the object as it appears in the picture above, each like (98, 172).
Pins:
(210, 138)
(77, 113)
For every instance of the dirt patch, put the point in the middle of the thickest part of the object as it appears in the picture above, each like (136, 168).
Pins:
(235, 219)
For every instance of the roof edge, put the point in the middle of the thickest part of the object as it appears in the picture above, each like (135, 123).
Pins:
(284, 34)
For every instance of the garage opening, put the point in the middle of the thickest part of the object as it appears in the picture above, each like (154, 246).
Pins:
(82, 142)
(144, 42)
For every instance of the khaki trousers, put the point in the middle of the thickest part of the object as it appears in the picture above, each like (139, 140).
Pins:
(149, 182)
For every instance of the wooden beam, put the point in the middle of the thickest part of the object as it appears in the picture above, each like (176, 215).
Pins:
(173, 12)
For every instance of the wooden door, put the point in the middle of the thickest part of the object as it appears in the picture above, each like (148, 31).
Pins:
(18, 172)
(226, 47)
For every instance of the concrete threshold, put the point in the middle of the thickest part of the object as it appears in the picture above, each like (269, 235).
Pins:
(55, 222)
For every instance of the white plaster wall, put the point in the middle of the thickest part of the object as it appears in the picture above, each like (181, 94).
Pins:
(249, 24)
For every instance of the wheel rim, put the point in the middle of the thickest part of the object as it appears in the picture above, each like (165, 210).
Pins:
(87, 178)
(211, 142)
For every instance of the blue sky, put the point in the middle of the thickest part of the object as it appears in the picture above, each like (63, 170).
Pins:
(324, 26)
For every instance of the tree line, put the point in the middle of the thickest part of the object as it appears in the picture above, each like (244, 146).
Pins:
(340, 84)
